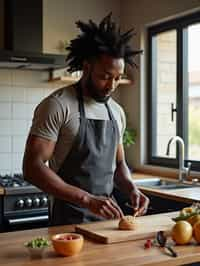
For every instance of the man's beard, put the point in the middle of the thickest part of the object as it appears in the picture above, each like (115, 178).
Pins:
(93, 91)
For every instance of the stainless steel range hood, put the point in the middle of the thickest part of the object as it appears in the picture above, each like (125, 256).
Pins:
(21, 37)
(33, 61)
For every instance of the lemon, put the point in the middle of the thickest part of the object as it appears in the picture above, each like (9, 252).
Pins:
(196, 231)
(182, 232)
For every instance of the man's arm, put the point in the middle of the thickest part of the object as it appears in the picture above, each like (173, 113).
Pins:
(125, 182)
(38, 151)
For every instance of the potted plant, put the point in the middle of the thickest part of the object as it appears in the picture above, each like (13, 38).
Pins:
(129, 137)
(129, 134)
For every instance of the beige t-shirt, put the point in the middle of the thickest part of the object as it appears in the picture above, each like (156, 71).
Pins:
(56, 118)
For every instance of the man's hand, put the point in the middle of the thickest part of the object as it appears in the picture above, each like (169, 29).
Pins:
(104, 207)
(139, 201)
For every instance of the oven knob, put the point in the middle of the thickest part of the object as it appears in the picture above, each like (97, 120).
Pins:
(28, 202)
(36, 202)
(20, 203)
(44, 201)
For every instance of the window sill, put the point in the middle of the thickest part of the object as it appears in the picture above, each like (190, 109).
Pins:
(162, 171)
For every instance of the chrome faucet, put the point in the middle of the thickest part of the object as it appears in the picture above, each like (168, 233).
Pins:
(183, 171)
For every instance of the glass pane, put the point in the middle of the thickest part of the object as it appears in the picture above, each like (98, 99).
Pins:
(194, 92)
(164, 77)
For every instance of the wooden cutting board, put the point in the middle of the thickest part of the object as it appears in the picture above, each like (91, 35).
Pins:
(108, 232)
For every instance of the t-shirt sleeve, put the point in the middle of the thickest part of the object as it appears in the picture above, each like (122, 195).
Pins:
(48, 119)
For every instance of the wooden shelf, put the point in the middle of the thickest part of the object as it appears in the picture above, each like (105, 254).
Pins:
(69, 79)
(126, 81)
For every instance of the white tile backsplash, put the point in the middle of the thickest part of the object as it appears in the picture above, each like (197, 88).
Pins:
(5, 93)
(5, 127)
(19, 127)
(5, 161)
(20, 92)
(30, 108)
(18, 143)
(17, 160)
(19, 111)
(35, 95)
(5, 110)
(5, 144)
(28, 77)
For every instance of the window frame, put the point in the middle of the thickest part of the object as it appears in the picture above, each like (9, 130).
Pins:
(178, 24)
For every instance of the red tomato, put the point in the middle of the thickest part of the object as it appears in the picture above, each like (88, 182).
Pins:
(148, 243)
(67, 237)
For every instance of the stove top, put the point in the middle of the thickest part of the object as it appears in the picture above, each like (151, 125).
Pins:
(13, 181)
(15, 184)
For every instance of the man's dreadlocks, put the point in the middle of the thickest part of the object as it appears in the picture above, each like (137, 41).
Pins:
(95, 40)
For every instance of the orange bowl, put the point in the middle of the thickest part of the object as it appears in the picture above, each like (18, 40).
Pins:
(67, 244)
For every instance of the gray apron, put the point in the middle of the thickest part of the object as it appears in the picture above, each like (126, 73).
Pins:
(90, 165)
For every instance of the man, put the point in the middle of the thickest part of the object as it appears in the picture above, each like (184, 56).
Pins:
(79, 130)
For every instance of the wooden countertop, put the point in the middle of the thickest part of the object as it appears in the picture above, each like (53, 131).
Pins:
(187, 195)
(13, 253)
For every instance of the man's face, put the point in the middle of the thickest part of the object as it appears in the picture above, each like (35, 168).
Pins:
(103, 77)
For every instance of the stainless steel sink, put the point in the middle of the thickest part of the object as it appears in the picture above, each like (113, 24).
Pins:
(159, 183)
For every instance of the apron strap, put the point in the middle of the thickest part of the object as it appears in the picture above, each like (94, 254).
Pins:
(109, 112)
(81, 103)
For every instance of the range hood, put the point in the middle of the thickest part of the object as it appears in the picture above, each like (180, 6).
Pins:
(21, 33)
(33, 61)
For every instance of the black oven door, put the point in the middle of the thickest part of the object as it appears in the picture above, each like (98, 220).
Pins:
(14, 222)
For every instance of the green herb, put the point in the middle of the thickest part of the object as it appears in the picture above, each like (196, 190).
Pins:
(184, 215)
(129, 136)
(38, 242)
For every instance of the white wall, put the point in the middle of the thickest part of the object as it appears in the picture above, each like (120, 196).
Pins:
(139, 14)
(59, 18)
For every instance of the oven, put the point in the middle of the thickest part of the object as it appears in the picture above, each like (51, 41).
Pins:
(23, 206)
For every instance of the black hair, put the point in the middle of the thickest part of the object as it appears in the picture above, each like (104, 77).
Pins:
(95, 40)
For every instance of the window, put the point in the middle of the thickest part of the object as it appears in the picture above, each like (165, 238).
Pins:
(174, 94)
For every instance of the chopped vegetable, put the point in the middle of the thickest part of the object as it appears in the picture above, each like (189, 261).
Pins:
(38, 242)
